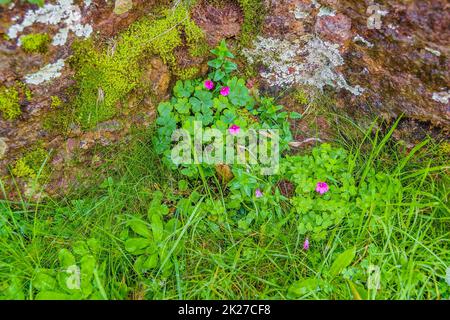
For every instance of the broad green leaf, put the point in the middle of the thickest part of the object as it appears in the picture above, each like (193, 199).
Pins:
(94, 245)
(140, 227)
(133, 245)
(151, 262)
(80, 248)
(229, 66)
(183, 185)
(66, 258)
(216, 63)
(218, 75)
(157, 227)
(342, 261)
(44, 281)
(302, 287)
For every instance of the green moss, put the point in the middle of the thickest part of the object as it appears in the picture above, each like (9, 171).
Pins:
(56, 102)
(253, 17)
(187, 73)
(30, 164)
(9, 103)
(35, 42)
(301, 97)
(106, 77)
(445, 147)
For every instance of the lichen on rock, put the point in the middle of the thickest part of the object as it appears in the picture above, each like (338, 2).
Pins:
(314, 63)
(48, 72)
(441, 97)
(63, 12)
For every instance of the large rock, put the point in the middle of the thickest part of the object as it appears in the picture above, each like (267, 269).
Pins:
(401, 68)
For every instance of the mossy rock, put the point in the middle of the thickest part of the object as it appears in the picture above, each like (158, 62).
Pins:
(35, 42)
(106, 76)
(9, 103)
(30, 164)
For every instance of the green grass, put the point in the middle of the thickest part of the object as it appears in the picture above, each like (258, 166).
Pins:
(206, 255)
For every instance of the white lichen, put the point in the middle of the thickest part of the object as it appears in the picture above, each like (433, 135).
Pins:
(325, 11)
(300, 13)
(63, 13)
(3, 147)
(50, 71)
(315, 4)
(315, 63)
(447, 276)
(441, 97)
(435, 52)
(359, 38)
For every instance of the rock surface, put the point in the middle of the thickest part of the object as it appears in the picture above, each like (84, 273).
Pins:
(384, 59)
(403, 66)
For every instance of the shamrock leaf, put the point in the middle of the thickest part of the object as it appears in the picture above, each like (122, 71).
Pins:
(183, 106)
(183, 90)
(239, 95)
(201, 101)
(164, 108)
(220, 103)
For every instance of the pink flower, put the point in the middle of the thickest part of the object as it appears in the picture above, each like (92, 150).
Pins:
(258, 193)
(322, 187)
(225, 91)
(234, 130)
(306, 244)
(209, 84)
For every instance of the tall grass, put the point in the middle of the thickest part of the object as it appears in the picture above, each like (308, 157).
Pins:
(410, 244)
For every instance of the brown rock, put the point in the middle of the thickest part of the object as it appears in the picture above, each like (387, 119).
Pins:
(122, 6)
(218, 22)
(335, 28)
(157, 77)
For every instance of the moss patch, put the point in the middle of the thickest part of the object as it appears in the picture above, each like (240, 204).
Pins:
(55, 102)
(30, 164)
(9, 103)
(253, 17)
(106, 77)
(35, 42)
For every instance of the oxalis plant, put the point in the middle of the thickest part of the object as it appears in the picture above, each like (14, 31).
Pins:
(222, 102)
(325, 190)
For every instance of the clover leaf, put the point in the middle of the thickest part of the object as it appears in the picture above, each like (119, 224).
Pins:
(183, 90)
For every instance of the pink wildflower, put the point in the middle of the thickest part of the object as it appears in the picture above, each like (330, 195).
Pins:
(225, 91)
(209, 84)
(322, 187)
(234, 130)
(258, 193)
(306, 244)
